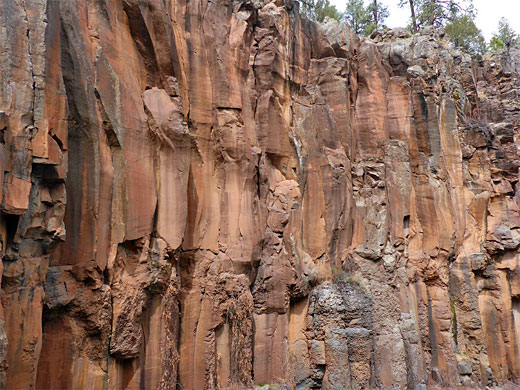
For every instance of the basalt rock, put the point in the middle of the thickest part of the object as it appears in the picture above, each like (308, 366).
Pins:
(222, 195)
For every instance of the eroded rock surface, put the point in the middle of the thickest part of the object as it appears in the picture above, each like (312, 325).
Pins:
(221, 194)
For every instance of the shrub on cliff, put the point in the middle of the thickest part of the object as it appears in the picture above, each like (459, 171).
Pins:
(466, 35)
(505, 37)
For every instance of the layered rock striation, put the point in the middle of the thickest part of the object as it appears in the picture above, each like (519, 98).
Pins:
(221, 194)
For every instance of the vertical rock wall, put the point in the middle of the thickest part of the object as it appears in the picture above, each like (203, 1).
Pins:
(221, 194)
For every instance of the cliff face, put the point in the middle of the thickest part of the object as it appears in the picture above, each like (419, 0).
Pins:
(217, 194)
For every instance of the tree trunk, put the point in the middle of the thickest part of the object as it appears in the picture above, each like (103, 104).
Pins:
(433, 9)
(374, 11)
(414, 20)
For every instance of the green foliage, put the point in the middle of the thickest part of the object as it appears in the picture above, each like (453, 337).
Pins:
(496, 44)
(267, 386)
(437, 12)
(318, 10)
(377, 15)
(466, 35)
(363, 20)
(357, 16)
(442, 12)
(341, 277)
(457, 16)
(505, 37)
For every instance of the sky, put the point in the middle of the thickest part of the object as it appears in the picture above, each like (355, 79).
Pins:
(489, 13)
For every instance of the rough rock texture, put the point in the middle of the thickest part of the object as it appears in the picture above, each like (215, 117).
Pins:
(220, 194)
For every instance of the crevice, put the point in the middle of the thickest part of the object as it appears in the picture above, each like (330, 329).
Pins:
(454, 325)
(11, 226)
(143, 43)
(29, 54)
(112, 139)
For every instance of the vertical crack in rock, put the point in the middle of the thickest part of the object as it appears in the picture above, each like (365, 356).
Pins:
(28, 34)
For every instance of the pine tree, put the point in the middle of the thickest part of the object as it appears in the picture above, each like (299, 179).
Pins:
(411, 4)
(318, 10)
(441, 12)
(466, 35)
(506, 37)
(457, 16)
(436, 12)
(357, 16)
(377, 14)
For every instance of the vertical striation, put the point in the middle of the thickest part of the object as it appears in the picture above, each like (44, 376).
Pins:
(221, 194)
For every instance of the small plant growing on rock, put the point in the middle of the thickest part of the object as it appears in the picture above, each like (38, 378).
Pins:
(267, 386)
(339, 276)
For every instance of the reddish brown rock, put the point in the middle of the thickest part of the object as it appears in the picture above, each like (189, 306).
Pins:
(218, 195)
